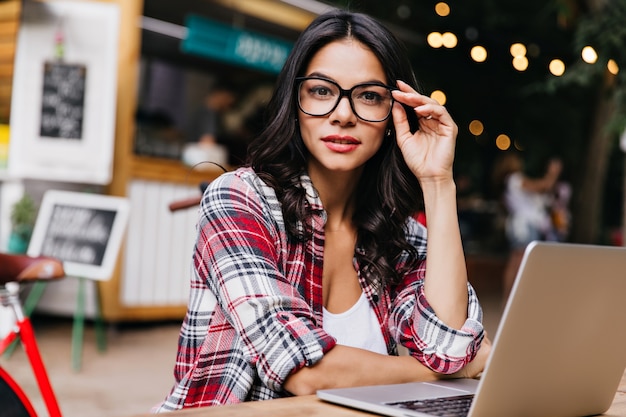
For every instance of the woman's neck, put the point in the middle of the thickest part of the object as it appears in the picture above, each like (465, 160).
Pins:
(337, 192)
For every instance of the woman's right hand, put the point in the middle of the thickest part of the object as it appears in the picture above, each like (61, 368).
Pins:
(429, 151)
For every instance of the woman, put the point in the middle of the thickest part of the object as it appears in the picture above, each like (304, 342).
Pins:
(527, 202)
(309, 267)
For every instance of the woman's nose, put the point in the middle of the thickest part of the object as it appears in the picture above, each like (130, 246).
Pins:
(343, 113)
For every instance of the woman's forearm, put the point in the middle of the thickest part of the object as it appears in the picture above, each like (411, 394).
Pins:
(345, 366)
(445, 284)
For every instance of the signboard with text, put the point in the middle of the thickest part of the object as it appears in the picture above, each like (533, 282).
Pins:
(216, 40)
(63, 108)
(83, 230)
(63, 100)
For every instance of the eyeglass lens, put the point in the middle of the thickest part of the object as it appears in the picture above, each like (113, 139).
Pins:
(370, 102)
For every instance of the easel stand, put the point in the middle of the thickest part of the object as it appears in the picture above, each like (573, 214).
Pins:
(78, 325)
(85, 231)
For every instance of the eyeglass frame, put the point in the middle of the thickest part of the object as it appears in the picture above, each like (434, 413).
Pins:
(344, 93)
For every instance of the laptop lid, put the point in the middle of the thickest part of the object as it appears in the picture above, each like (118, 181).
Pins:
(560, 348)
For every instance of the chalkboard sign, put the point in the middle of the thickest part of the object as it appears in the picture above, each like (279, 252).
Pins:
(62, 101)
(83, 230)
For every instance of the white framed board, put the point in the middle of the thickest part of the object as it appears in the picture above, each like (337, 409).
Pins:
(83, 230)
(63, 109)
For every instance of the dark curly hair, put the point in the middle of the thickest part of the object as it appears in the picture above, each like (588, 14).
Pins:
(387, 193)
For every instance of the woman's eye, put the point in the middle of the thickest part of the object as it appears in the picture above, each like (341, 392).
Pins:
(370, 97)
(321, 91)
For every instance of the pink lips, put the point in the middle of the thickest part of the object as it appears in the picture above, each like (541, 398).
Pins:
(341, 144)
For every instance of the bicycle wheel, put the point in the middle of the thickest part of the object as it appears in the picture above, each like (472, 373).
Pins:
(13, 399)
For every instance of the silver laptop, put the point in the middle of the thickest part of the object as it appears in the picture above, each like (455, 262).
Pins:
(560, 347)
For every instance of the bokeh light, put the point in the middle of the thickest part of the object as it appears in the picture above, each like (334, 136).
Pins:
(439, 96)
(589, 55)
(517, 49)
(435, 40)
(478, 53)
(612, 67)
(557, 67)
(403, 11)
(520, 63)
(442, 9)
(449, 40)
(503, 142)
(471, 33)
(476, 127)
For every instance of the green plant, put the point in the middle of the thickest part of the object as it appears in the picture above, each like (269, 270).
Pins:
(23, 216)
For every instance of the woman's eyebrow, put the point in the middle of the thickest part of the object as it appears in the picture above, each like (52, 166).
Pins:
(319, 74)
(322, 75)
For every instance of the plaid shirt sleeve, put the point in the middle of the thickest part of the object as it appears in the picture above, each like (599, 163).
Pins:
(414, 324)
(247, 326)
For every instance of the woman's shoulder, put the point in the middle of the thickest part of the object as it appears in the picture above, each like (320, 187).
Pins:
(243, 182)
(240, 178)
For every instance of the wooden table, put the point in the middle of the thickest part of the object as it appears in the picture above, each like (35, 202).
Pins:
(311, 406)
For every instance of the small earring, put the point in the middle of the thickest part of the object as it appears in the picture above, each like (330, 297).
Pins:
(388, 133)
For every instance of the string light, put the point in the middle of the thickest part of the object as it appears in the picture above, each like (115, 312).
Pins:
(435, 40)
(517, 49)
(476, 127)
(439, 96)
(612, 67)
(503, 142)
(557, 67)
(520, 63)
(478, 53)
(589, 55)
(449, 40)
(442, 9)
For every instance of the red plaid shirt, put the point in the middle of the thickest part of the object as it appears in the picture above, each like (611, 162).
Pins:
(255, 307)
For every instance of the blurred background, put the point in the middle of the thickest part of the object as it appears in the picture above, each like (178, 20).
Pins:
(540, 77)
(162, 85)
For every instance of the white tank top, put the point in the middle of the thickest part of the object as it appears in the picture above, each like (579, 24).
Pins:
(356, 327)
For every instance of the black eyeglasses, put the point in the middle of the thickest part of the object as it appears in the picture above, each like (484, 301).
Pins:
(371, 102)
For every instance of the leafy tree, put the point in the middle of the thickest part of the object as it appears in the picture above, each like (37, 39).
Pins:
(599, 23)
(577, 116)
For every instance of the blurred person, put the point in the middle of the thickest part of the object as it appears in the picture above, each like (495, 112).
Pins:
(309, 269)
(207, 138)
(207, 125)
(560, 211)
(527, 203)
(250, 113)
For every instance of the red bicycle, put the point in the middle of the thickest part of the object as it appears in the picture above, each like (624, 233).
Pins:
(25, 269)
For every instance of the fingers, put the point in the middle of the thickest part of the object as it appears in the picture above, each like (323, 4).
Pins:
(425, 107)
(411, 98)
